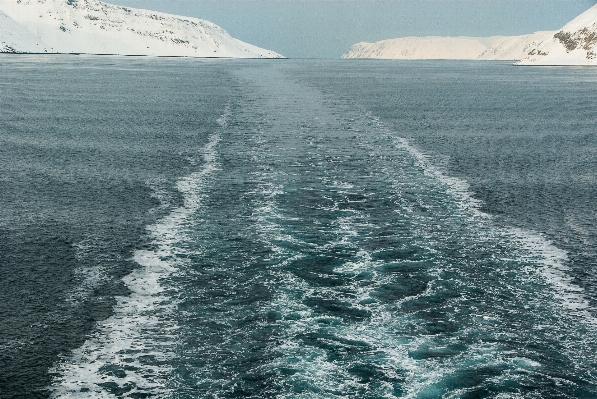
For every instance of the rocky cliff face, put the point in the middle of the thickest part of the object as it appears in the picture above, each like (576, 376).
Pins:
(94, 27)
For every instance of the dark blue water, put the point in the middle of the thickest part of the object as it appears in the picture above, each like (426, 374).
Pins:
(178, 228)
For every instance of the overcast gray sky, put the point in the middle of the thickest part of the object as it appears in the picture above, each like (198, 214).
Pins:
(327, 28)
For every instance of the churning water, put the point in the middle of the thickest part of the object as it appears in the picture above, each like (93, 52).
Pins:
(179, 228)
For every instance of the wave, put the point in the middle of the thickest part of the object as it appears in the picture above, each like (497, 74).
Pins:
(129, 354)
(530, 273)
(537, 249)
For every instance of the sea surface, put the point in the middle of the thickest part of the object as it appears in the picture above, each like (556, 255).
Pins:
(184, 228)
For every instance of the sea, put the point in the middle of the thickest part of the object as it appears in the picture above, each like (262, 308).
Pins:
(198, 228)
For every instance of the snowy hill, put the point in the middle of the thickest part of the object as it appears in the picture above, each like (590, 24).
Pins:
(16, 38)
(450, 48)
(431, 47)
(574, 44)
(94, 27)
(514, 47)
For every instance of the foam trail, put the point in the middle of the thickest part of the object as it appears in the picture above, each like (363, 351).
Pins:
(128, 354)
(334, 379)
(324, 378)
(537, 249)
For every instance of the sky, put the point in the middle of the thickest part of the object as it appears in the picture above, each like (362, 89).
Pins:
(327, 28)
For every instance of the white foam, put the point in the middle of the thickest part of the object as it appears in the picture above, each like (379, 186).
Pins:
(551, 260)
(458, 188)
(130, 349)
(552, 267)
(423, 376)
(327, 379)
(321, 377)
(89, 277)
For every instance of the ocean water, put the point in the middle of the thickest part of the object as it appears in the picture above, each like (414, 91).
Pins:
(179, 228)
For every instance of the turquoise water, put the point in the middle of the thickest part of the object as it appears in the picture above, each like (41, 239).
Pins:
(296, 229)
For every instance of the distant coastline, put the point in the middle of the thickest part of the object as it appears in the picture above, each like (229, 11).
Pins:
(574, 44)
(450, 48)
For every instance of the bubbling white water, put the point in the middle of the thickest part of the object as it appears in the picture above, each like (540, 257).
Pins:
(130, 352)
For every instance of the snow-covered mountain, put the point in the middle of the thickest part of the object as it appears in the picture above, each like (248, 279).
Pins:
(94, 27)
(574, 44)
(16, 38)
(430, 47)
(514, 47)
(450, 48)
